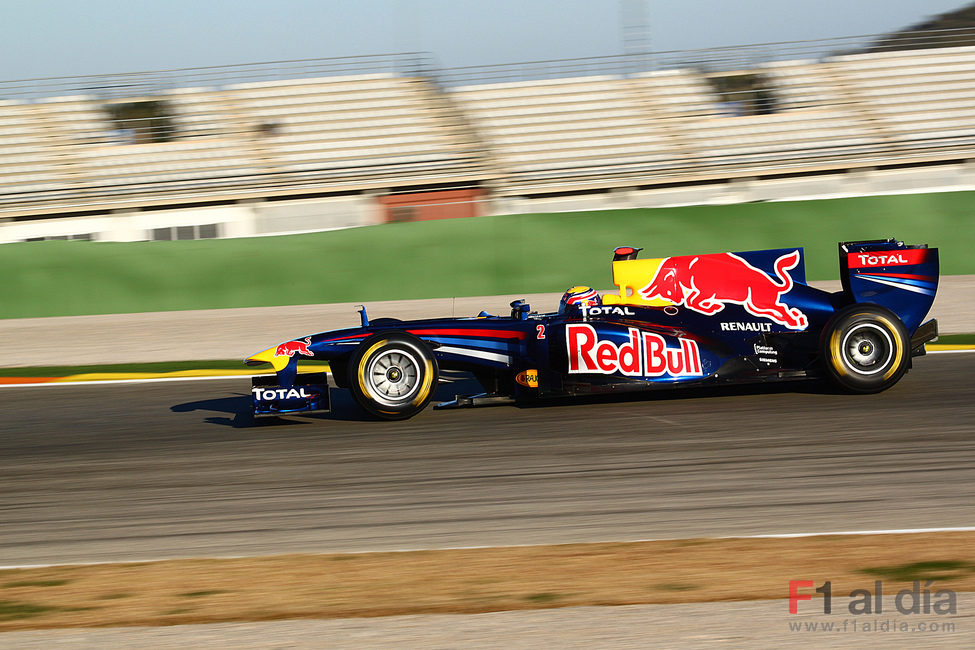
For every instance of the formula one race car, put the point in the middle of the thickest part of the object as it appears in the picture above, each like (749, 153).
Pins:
(692, 320)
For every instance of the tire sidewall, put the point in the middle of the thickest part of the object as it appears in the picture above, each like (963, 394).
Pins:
(871, 320)
(379, 344)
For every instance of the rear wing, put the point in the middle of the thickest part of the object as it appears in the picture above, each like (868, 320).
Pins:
(892, 274)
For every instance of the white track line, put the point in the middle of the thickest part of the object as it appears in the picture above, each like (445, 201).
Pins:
(161, 379)
(893, 531)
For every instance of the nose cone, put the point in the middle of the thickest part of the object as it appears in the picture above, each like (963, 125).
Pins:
(278, 362)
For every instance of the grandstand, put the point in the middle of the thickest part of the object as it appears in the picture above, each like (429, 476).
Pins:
(313, 145)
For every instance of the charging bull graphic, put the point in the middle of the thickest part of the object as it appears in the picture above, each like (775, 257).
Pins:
(706, 283)
(291, 348)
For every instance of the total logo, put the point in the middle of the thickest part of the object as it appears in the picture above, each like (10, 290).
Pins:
(881, 260)
(643, 355)
(268, 394)
(900, 258)
(588, 311)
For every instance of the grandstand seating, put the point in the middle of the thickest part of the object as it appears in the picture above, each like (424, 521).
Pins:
(346, 130)
(29, 161)
(923, 98)
(808, 122)
(560, 128)
(713, 136)
(357, 132)
(345, 125)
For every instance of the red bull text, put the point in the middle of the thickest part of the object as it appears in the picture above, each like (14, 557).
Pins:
(291, 348)
(706, 283)
(643, 355)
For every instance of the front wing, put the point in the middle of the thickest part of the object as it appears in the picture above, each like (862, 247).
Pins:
(307, 394)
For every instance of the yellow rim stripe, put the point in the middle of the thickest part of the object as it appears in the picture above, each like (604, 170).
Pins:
(837, 353)
(363, 362)
(900, 349)
(427, 380)
(420, 395)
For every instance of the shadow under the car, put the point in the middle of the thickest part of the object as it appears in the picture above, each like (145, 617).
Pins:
(801, 386)
(236, 412)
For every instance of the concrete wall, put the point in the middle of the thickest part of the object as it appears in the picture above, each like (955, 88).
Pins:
(248, 219)
(862, 182)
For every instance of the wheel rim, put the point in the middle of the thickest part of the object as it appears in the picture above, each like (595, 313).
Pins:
(867, 349)
(393, 377)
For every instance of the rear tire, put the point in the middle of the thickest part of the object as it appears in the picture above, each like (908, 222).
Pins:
(866, 349)
(393, 375)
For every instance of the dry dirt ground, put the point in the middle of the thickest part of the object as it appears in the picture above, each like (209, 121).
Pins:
(480, 580)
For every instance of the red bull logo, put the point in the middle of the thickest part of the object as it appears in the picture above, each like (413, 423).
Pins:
(291, 348)
(643, 355)
(706, 283)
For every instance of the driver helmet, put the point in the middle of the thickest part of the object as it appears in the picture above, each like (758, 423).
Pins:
(580, 296)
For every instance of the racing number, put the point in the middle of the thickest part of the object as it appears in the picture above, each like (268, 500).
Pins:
(541, 331)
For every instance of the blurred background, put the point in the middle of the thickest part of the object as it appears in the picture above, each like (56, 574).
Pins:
(186, 155)
(613, 116)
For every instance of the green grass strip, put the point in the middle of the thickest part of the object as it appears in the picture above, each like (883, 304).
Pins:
(456, 257)
(956, 339)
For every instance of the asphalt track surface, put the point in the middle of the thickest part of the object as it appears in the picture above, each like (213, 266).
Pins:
(94, 473)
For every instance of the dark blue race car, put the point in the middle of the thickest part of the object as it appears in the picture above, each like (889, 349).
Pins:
(692, 320)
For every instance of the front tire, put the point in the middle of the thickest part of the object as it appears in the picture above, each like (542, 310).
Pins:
(393, 375)
(866, 349)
